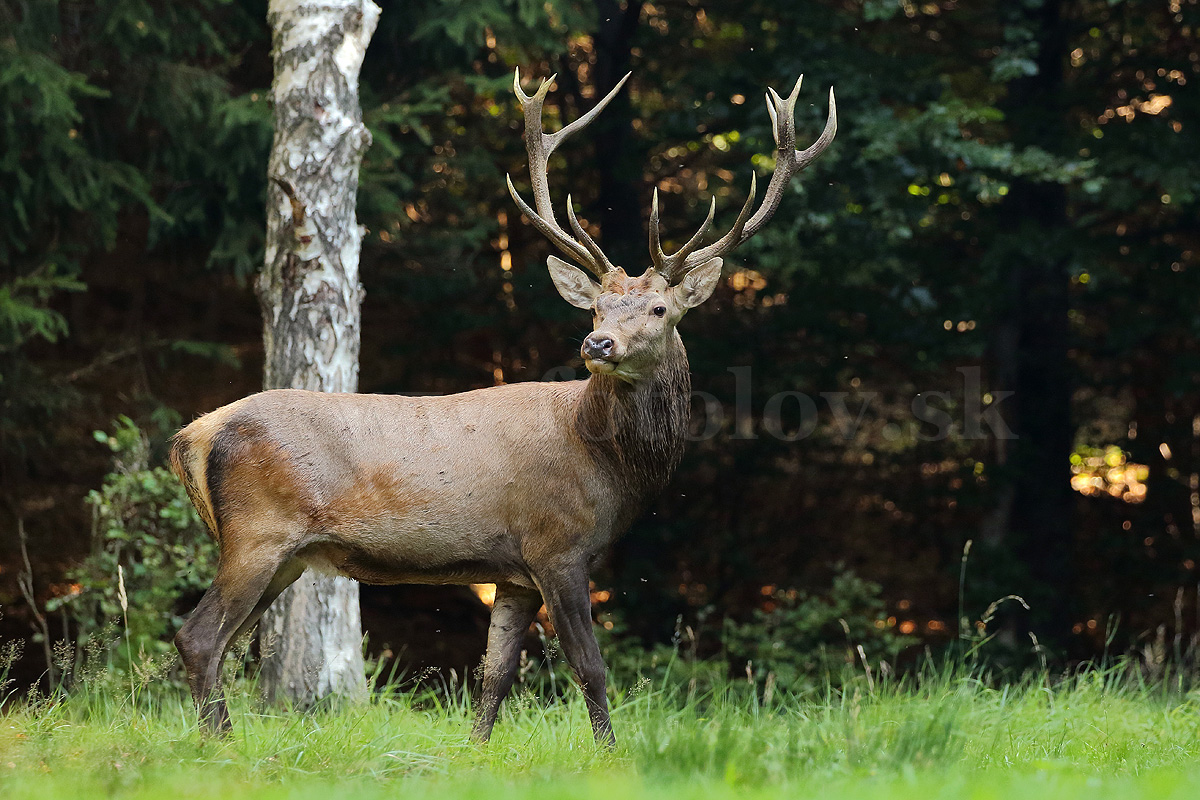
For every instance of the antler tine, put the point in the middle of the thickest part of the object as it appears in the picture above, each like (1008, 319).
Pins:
(657, 256)
(682, 253)
(788, 161)
(731, 239)
(810, 153)
(539, 145)
(551, 231)
(555, 139)
(673, 266)
(588, 241)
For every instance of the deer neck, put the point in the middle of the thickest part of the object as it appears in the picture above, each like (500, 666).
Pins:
(635, 431)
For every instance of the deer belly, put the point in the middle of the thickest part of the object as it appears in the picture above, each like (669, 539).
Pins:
(367, 568)
(455, 519)
(416, 541)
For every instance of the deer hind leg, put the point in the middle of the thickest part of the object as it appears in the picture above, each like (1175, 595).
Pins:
(512, 613)
(246, 584)
(569, 603)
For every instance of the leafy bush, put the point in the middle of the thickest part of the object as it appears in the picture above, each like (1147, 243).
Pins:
(808, 640)
(796, 642)
(148, 545)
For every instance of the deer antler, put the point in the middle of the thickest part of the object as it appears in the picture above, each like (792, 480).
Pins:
(539, 145)
(788, 161)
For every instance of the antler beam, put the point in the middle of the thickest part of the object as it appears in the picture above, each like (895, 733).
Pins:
(540, 145)
(788, 161)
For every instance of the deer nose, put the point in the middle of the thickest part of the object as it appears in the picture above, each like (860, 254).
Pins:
(598, 345)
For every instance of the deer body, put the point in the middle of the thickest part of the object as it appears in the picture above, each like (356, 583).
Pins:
(524, 486)
(475, 487)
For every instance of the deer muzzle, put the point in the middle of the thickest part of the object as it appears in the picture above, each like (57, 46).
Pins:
(600, 352)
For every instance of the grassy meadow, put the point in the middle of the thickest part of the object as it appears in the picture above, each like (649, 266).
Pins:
(1095, 735)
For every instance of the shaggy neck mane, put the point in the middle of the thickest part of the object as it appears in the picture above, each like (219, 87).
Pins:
(637, 430)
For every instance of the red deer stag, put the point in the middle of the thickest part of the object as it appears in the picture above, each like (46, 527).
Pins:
(523, 485)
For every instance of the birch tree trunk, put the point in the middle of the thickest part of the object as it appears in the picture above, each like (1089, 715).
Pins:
(311, 301)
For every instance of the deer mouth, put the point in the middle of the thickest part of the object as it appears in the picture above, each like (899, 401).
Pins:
(600, 366)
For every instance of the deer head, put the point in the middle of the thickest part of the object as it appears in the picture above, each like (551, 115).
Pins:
(635, 317)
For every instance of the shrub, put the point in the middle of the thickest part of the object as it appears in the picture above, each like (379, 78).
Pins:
(797, 642)
(808, 641)
(144, 524)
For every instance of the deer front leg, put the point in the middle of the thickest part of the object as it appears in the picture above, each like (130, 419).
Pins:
(569, 603)
(512, 613)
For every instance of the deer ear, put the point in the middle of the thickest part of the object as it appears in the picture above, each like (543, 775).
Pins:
(572, 283)
(698, 285)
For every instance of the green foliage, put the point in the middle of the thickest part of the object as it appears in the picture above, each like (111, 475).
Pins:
(127, 155)
(809, 640)
(52, 173)
(512, 21)
(25, 312)
(83, 129)
(795, 643)
(151, 557)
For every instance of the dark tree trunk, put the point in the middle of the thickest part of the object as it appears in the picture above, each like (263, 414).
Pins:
(1034, 242)
(620, 164)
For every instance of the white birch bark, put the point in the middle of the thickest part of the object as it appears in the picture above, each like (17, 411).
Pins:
(311, 300)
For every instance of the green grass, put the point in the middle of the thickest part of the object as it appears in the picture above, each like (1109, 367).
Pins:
(1097, 735)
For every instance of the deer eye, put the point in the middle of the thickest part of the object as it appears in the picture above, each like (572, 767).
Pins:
(660, 311)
